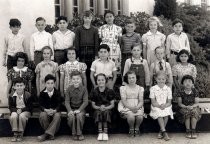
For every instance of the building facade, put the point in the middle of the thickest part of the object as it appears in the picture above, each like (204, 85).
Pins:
(205, 4)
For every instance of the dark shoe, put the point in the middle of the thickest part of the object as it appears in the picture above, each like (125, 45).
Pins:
(42, 137)
(188, 134)
(14, 138)
(194, 134)
(20, 138)
(81, 137)
(165, 136)
(74, 137)
(51, 137)
(137, 133)
(160, 135)
(131, 133)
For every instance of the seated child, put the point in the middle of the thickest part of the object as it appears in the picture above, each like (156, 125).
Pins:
(50, 102)
(102, 102)
(76, 100)
(20, 106)
(132, 103)
(188, 101)
(161, 107)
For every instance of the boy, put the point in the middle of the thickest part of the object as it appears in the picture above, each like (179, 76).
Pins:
(76, 100)
(105, 66)
(50, 102)
(176, 41)
(39, 40)
(13, 43)
(62, 39)
(20, 107)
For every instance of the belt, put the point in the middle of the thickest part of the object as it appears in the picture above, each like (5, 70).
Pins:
(174, 52)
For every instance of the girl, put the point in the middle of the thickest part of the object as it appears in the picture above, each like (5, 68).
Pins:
(47, 66)
(102, 102)
(138, 65)
(161, 107)
(131, 105)
(184, 67)
(111, 34)
(152, 39)
(66, 69)
(189, 112)
(20, 70)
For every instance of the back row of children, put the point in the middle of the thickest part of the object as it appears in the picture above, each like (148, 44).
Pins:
(44, 48)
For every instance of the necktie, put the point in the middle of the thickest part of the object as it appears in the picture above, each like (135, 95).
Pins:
(161, 66)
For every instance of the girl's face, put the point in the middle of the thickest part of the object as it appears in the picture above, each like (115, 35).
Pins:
(101, 81)
(87, 19)
(20, 62)
(159, 53)
(136, 52)
(71, 55)
(184, 58)
(161, 79)
(47, 54)
(132, 78)
(62, 25)
(109, 18)
(153, 25)
(188, 83)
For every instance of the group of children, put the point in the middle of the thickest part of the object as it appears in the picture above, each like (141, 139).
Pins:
(67, 72)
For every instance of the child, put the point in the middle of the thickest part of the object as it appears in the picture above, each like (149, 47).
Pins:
(105, 66)
(13, 43)
(176, 41)
(128, 40)
(102, 100)
(76, 100)
(161, 108)
(161, 65)
(132, 103)
(183, 67)
(152, 39)
(39, 40)
(66, 69)
(20, 106)
(111, 34)
(138, 65)
(87, 42)
(44, 68)
(62, 40)
(20, 70)
(50, 102)
(188, 101)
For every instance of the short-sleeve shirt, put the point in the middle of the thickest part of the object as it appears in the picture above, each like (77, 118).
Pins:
(102, 98)
(188, 99)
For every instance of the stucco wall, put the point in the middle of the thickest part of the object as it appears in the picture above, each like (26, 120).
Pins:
(141, 6)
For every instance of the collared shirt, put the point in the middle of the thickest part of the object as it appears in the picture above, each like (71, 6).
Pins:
(50, 93)
(176, 42)
(19, 101)
(63, 40)
(14, 43)
(106, 68)
(39, 40)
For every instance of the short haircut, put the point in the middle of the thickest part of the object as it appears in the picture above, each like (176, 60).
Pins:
(161, 72)
(76, 73)
(40, 19)
(100, 74)
(135, 45)
(159, 47)
(128, 73)
(130, 21)
(104, 46)
(19, 80)
(47, 47)
(185, 77)
(184, 51)
(14, 22)
(108, 12)
(87, 13)
(49, 77)
(154, 18)
(61, 18)
(177, 21)
(21, 55)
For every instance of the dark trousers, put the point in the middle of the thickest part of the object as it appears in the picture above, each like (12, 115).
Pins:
(60, 56)
(37, 57)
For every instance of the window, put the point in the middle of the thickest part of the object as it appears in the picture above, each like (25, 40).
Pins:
(119, 7)
(106, 5)
(75, 6)
(92, 6)
(57, 8)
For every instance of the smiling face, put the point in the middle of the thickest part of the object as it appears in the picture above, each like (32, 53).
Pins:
(178, 28)
(47, 53)
(20, 62)
(15, 29)
(103, 54)
(132, 79)
(19, 87)
(62, 25)
(101, 81)
(40, 25)
(71, 55)
(153, 25)
(188, 84)
(109, 18)
(50, 84)
(130, 28)
(136, 51)
(183, 58)
(160, 53)
(161, 79)
(76, 80)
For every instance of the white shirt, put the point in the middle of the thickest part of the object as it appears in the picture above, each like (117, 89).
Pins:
(50, 93)
(19, 101)
(63, 41)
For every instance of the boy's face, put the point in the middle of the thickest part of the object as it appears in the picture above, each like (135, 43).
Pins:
(132, 79)
(109, 18)
(15, 29)
(153, 25)
(87, 19)
(62, 25)
(71, 55)
(136, 51)
(19, 87)
(20, 62)
(103, 54)
(161, 80)
(188, 83)
(178, 28)
(47, 54)
(101, 81)
(50, 84)
(76, 80)
(159, 53)
(40, 25)
(183, 58)
(130, 27)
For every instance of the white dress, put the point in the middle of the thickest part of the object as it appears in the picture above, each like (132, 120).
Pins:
(161, 95)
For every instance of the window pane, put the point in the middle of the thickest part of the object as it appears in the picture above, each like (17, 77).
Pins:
(75, 3)
(106, 4)
(91, 3)
(57, 1)
(119, 5)
(57, 11)
(75, 9)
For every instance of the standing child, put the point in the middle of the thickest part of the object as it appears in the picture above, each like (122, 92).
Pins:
(176, 41)
(131, 104)
(104, 65)
(76, 100)
(111, 34)
(161, 65)
(102, 100)
(20, 106)
(13, 43)
(161, 108)
(47, 66)
(67, 68)
(50, 101)
(62, 40)
(152, 39)
(38, 40)
(188, 101)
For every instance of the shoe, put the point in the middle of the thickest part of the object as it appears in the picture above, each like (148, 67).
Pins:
(14, 138)
(131, 133)
(137, 133)
(160, 135)
(100, 137)
(81, 137)
(20, 138)
(188, 134)
(105, 137)
(51, 137)
(165, 136)
(194, 134)
(75, 137)
(42, 137)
